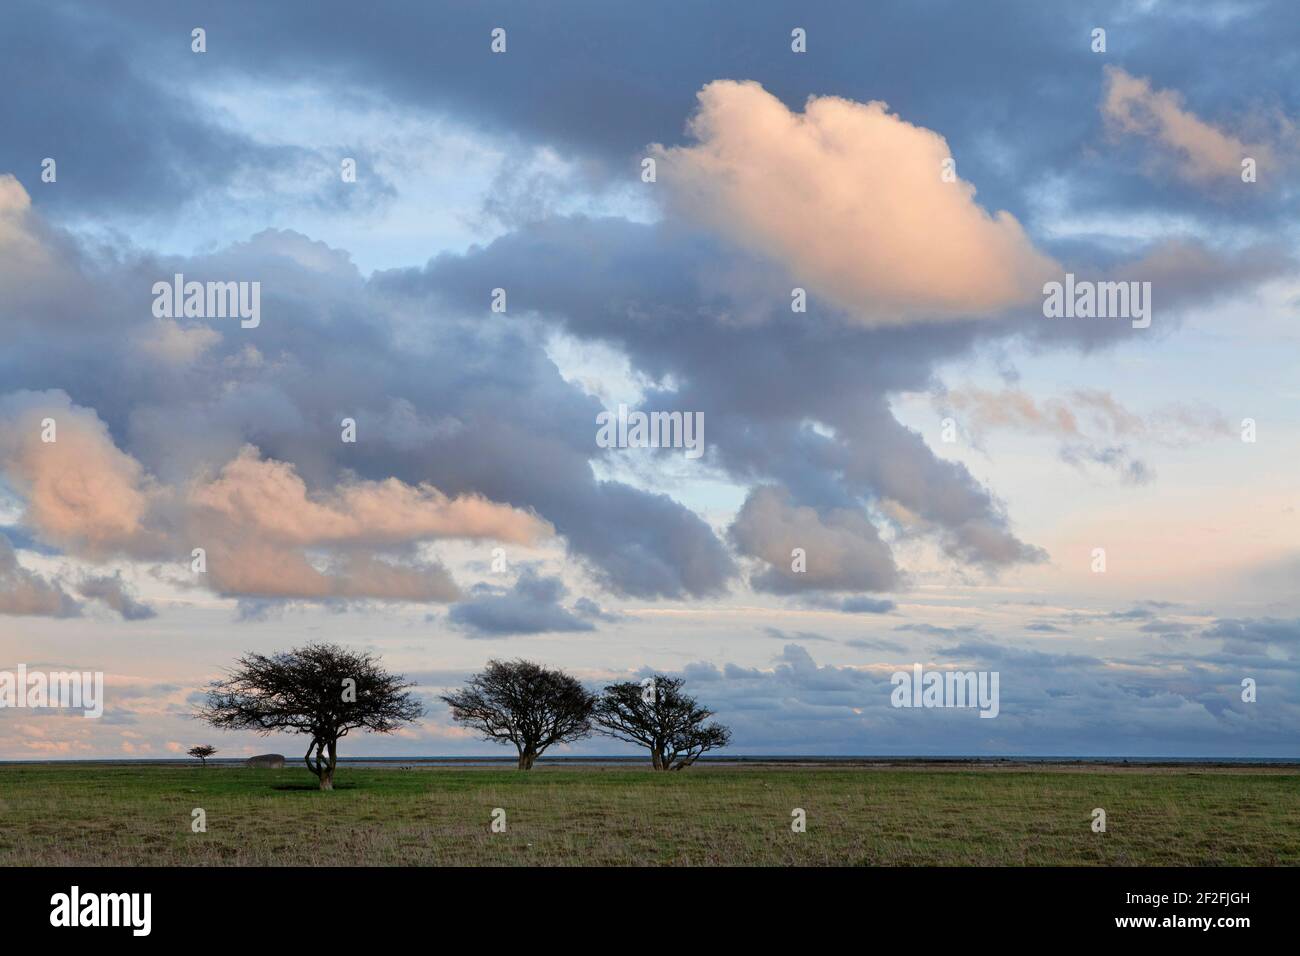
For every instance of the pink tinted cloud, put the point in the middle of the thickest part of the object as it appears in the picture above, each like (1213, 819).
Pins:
(850, 198)
(1193, 148)
(264, 532)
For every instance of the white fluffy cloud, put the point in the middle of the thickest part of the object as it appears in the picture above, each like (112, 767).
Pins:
(850, 199)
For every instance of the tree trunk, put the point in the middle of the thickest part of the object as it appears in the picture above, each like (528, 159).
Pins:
(327, 772)
(526, 758)
(323, 767)
(657, 749)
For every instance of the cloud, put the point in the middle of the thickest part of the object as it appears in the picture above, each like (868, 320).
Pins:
(531, 606)
(803, 405)
(1130, 470)
(935, 630)
(805, 636)
(261, 525)
(475, 405)
(592, 611)
(1252, 636)
(269, 498)
(849, 198)
(866, 605)
(1194, 149)
(1082, 412)
(24, 253)
(1092, 425)
(191, 152)
(854, 604)
(875, 644)
(80, 491)
(843, 549)
(1132, 614)
(171, 343)
(265, 534)
(24, 592)
(506, 426)
(114, 592)
(1050, 703)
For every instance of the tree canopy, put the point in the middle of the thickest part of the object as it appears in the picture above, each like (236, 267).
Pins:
(202, 753)
(659, 716)
(526, 704)
(322, 691)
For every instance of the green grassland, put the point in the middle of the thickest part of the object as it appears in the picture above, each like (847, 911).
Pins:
(706, 815)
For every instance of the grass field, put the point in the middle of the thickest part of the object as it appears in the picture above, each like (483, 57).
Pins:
(717, 815)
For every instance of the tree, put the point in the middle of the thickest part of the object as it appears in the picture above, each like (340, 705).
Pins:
(202, 752)
(656, 714)
(322, 691)
(526, 704)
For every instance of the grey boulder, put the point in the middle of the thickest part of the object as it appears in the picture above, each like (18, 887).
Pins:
(267, 761)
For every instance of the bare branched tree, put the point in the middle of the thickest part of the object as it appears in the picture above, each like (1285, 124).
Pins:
(657, 715)
(202, 753)
(322, 691)
(526, 704)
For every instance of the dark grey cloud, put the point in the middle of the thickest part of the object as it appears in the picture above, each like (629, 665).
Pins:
(1050, 704)
(1144, 614)
(110, 95)
(801, 401)
(1251, 636)
(503, 424)
(673, 314)
(507, 425)
(448, 394)
(934, 630)
(591, 610)
(875, 644)
(854, 604)
(800, 636)
(531, 606)
(259, 609)
(24, 592)
(1132, 614)
(113, 591)
(866, 605)
(634, 82)
(1131, 470)
(672, 319)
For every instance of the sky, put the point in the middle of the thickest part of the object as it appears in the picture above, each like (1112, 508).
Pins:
(826, 230)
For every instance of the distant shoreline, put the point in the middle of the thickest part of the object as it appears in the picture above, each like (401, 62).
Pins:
(806, 760)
